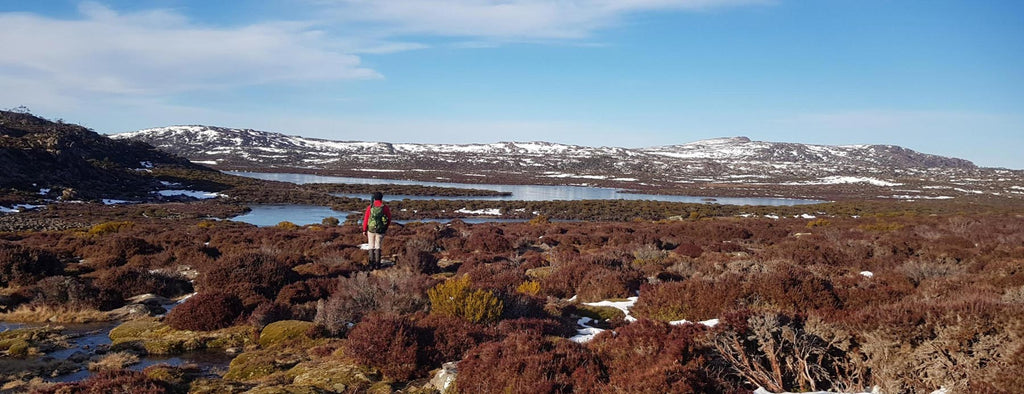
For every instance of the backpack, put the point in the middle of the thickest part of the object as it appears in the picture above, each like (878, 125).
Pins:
(378, 223)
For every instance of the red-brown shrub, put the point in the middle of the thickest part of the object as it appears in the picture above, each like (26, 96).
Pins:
(809, 250)
(206, 312)
(306, 291)
(501, 275)
(525, 363)
(450, 338)
(488, 239)
(254, 277)
(537, 326)
(604, 283)
(22, 266)
(110, 381)
(387, 342)
(793, 289)
(267, 313)
(692, 299)
(654, 357)
(73, 292)
(128, 282)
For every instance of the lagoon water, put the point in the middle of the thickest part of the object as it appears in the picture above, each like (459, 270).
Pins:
(272, 214)
(521, 192)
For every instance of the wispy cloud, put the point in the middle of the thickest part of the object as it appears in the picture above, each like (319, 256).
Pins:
(158, 52)
(508, 19)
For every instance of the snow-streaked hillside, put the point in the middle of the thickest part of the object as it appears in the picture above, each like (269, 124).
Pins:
(726, 166)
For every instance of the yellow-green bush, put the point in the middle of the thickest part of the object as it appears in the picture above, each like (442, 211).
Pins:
(286, 225)
(454, 297)
(529, 287)
(110, 227)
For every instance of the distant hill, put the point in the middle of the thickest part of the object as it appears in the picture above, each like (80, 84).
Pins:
(737, 166)
(37, 154)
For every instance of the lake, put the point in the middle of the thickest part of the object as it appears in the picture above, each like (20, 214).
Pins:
(521, 192)
(272, 214)
(265, 215)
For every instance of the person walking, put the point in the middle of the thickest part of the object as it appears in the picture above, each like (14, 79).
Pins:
(375, 223)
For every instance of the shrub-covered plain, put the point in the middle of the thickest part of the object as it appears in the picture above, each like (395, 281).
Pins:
(903, 301)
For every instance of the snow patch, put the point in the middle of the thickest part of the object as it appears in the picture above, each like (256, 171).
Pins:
(19, 208)
(837, 180)
(189, 193)
(867, 274)
(110, 201)
(485, 211)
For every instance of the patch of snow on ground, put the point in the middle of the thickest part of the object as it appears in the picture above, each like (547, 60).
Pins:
(110, 201)
(761, 390)
(485, 211)
(564, 175)
(189, 193)
(867, 274)
(919, 197)
(19, 208)
(586, 333)
(709, 323)
(44, 191)
(836, 180)
(365, 246)
(207, 162)
(968, 191)
(375, 170)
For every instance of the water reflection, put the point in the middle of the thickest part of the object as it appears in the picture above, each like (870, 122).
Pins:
(522, 192)
(272, 214)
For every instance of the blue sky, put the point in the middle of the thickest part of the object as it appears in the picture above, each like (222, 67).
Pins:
(937, 76)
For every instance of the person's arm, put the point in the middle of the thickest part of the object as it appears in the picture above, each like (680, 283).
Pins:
(366, 217)
(387, 213)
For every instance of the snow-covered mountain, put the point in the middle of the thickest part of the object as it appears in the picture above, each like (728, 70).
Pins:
(715, 163)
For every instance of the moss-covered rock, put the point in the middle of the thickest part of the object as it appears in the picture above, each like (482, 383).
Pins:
(258, 364)
(335, 376)
(155, 337)
(217, 386)
(15, 347)
(282, 331)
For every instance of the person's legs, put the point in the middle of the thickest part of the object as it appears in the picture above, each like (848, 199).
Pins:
(374, 241)
(377, 245)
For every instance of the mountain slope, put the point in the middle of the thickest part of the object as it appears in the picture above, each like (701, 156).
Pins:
(38, 154)
(725, 166)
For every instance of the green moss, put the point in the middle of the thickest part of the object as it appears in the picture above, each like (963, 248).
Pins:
(158, 338)
(600, 312)
(250, 366)
(137, 329)
(15, 347)
(281, 331)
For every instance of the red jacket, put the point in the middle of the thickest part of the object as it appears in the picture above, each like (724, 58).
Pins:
(366, 215)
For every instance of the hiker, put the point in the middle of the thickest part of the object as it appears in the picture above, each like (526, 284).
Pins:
(375, 223)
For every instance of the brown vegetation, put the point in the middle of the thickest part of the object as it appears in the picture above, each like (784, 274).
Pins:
(942, 306)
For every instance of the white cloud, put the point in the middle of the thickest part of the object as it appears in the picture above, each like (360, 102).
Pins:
(509, 19)
(106, 53)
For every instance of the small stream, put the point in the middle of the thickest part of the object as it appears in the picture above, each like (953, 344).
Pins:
(87, 340)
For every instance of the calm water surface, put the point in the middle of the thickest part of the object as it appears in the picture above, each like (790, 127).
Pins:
(521, 192)
(272, 214)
